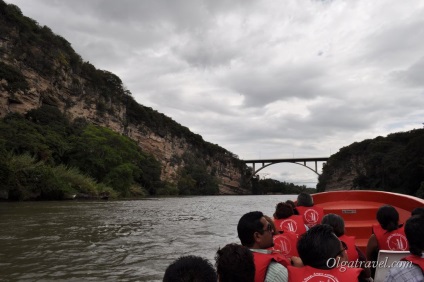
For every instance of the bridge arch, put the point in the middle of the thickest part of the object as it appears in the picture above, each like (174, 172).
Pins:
(299, 161)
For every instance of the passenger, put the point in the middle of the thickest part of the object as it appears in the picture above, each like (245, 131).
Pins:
(322, 253)
(255, 233)
(311, 213)
(414, 229)
(291, 203)
(338, 225)
(387, 235)
(234, 263)
(353, 252)
(284, 241)
(285, 220)
(190, 269)
(271, 221)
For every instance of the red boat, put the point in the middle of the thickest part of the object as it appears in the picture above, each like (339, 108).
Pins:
(359, 208)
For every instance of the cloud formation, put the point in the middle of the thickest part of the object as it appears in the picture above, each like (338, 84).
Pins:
(263, 79)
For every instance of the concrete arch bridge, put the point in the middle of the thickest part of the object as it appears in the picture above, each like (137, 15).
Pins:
(300, 161)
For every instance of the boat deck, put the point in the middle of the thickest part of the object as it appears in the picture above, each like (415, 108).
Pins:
(359, 208)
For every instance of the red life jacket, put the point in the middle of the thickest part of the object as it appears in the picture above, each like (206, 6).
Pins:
(286, 243)
(293, 223)
(419, 261)
(262, 262)
(310, 274)
(352, 253)
(311, 215)
(394, 240)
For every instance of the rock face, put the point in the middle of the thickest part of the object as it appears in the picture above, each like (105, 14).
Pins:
(51, 77)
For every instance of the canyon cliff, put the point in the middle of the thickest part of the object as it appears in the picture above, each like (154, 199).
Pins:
(38, 67)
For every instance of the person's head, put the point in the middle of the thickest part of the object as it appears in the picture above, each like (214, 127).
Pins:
(335, 221)
(190, 269)
(318, 245)
(418, 211)
(414, 231)
(293, 205)
(234, 263)
(270, 221)
(254, 231)
(304, 199)
(283, 210)
(388, 217)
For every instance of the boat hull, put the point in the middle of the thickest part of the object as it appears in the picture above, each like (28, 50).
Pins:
(359, 208)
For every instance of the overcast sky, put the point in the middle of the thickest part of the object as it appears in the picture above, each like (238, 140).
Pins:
(263, 79)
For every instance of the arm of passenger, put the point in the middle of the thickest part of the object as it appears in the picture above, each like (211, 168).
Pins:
(372, 248)
(276, 273)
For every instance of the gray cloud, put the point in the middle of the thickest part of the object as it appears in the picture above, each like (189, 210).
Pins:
(261, 79)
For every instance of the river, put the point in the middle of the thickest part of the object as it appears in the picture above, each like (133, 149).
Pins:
(117, 240)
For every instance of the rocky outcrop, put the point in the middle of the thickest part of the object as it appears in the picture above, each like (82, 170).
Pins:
(65, 87)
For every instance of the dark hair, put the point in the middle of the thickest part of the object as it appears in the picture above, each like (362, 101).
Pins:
(304, 199)
(293, 205)
(234, 263)
(388, 217)
(418, 211)
(318, 245)
(248, 225)
(414, 231)
(335, 221)
(283, 210)
(190, 269)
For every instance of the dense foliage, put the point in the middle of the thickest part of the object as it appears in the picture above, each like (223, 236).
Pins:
(394, 163)
(53, 58)
(43, 156)
(272, 186)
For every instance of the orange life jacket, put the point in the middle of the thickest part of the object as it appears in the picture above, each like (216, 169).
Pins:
(262, 262)
(419, 261)
(311, 215)
(286, 243)
(293, 223)
(394, 240)
(310, 274)
(352, 253)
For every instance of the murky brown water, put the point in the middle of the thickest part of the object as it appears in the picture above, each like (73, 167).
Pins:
(116, 240)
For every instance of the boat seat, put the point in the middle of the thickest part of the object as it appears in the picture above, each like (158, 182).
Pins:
(391, 256)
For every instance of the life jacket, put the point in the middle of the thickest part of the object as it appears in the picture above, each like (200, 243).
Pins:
(352, 253)
(310, 274)
(286, 243)
(262, 262)
(311, 215)
(419, 261)
(293, 223)
(394, 240)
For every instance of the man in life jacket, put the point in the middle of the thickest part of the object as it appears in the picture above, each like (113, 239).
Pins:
(324, 258)
(312, 214)
(234, 263)
(256, 233)
(414, 230)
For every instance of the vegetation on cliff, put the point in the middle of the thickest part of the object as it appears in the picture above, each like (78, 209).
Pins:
(394, 163)
(31, 54)
(45, 156)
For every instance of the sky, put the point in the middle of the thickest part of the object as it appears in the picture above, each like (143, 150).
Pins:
(262, 79)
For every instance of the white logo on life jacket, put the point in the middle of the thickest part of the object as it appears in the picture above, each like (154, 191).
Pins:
(283, 244)
(321, 277)
(311, 216)
(397, 242)
(289, 225)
